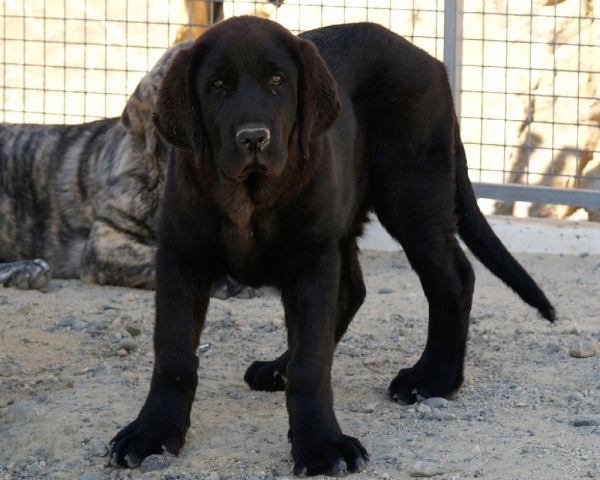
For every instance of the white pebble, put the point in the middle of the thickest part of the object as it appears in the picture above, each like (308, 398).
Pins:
(584, 347)
(422, 468)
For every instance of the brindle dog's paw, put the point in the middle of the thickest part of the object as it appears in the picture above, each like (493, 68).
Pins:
(418, 383)
(140, 439)
(335, 457)
(26, 274)
(228, 287)
(268, 376)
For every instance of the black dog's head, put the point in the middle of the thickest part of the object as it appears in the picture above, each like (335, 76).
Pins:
(250, 92)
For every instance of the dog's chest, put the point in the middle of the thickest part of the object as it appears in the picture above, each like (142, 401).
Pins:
(250, 249)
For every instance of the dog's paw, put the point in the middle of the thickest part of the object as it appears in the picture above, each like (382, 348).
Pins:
(141, 439)
(268, 376)
(26, 274)
(418, 383)
(335, 457)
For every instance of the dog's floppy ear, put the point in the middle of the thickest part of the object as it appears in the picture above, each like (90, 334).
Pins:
(318, 102)
(136, 117)
(177, 116)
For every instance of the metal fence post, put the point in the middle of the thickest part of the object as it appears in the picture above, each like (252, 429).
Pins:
(453, 35)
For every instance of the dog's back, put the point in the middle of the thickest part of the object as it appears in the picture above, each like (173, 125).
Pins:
(47, 186)
(417, 110)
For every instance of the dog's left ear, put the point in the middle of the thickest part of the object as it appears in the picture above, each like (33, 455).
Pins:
(318, 102)
(177, 116)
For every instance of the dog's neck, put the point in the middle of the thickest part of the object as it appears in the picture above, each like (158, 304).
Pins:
(236, 200)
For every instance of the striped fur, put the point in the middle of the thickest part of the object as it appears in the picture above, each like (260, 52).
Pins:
(84, 198)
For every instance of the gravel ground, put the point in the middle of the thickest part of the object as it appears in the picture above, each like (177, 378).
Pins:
(75, 364)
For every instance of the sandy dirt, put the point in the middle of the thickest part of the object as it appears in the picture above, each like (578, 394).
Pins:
(528, 409)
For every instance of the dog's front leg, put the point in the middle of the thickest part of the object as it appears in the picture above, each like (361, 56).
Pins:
(310, 301)
(182, 296)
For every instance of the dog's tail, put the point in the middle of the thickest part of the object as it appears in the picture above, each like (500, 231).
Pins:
(476, 232)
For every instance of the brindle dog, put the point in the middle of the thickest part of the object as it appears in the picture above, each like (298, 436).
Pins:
(84, 199)
(284, 145)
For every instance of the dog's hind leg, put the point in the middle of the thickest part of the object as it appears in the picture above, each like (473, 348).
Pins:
(270, 376)
(416, 206)
(352, 290)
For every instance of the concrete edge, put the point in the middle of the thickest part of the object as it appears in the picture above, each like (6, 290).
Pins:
(519, 235)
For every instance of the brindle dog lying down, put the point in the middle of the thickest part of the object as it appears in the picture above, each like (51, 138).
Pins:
(284, 145)
(84, 198)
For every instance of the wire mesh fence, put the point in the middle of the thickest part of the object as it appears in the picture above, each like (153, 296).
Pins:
(530, 81)
(530, 89)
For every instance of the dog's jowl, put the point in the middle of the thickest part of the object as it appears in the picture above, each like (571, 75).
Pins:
(284, 145)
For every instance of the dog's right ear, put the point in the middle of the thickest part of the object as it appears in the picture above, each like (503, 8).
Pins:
(177, 116)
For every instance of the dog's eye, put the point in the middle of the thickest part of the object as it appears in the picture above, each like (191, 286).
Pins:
(218, 84)
(276, 80)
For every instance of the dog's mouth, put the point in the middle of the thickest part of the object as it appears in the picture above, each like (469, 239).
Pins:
(252, 168)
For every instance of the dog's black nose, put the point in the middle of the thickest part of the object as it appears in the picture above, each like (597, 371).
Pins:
(253, 138)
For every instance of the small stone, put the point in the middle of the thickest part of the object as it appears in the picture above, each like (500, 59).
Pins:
(370, 408)
(154, 462)
(122, 352)
(278, 323)
(67, 322)
(24, 310)
(584, 347)
(92, 476)
(384, 291)
(129, 297)
(583, 254)
(99, 371)
(128, 344)
(98, 447)
(98, 325)
(435, 402)
(34, 470)
(551, 348)
(586, 421)
(423, 468)
(79, 325)
(227, 322)
(213, 476)
(577, 396)
(370, 361)
(134, 329)
(441, 416)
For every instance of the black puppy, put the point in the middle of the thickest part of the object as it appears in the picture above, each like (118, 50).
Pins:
(284, 146)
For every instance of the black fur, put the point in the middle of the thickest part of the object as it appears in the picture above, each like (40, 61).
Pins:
(358, 120)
